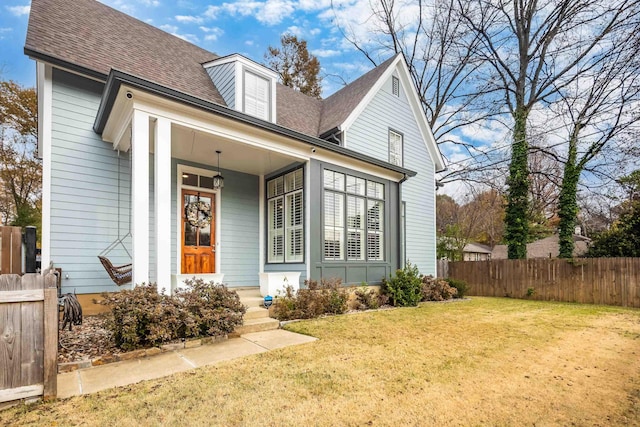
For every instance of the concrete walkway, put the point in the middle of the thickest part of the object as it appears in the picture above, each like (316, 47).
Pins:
(96, 378)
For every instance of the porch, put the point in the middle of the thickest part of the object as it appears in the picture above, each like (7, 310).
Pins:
(175, 164)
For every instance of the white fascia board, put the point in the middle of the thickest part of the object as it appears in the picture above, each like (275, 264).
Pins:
(239, 59)
(216, 125)
(45, 111)
(414, 101)
(421, 119)
(116, 130)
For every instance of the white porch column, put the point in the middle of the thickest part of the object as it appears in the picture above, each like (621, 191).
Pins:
(140, 196)
(162, 198)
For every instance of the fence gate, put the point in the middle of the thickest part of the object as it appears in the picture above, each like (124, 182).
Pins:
(28, 336)
(10, 250)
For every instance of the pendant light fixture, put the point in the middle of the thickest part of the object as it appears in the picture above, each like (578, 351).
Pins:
(218, 180)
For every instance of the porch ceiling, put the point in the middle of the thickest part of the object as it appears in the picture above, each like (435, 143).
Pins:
(199, 147)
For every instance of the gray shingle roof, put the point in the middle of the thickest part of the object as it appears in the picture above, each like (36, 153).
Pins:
(95, 38)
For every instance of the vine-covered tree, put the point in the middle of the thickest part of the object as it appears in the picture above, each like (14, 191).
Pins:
(535, 50)
(20, 169)
(296, 67)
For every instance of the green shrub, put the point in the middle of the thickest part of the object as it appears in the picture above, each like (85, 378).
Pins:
(461, 286)
(142, 317)
(405, 288)
(366, 298)
(315, 300)
(436, 289)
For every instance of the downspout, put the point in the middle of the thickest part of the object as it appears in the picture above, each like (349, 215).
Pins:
(401, 251)
(335, 138)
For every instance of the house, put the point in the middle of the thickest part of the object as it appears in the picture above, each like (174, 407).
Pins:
(189, 163)
(549, 247)
(476, 252)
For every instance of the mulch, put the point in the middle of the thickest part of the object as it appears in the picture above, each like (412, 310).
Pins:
(87, 341)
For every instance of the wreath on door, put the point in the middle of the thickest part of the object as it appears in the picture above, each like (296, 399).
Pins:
(199, 214)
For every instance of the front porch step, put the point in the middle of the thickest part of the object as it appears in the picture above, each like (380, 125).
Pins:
(256, 313)
(256, 325)
(250, 297)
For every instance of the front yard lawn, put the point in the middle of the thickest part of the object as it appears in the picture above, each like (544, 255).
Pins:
(487, 361)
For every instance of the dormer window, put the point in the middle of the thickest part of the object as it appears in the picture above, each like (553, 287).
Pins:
(245, 85)
(256, 95)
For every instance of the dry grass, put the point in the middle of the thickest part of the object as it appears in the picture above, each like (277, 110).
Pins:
(482, 362)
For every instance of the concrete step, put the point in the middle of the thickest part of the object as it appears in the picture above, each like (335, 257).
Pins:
(256, 313)
(247, 291)
(256, 325)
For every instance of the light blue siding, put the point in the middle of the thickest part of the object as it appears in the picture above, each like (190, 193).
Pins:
(223, 77)
(369, 134)
(239, 240)
(84, 188)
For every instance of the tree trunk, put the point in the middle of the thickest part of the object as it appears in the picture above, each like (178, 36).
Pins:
(516, 220)
(567, 204)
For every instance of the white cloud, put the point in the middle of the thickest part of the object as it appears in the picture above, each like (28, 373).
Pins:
(325, 53)
(152, 3)
(4, 31)
(188, 19)
(313, 5)
(295, 30)
(19, 10)
(269, 12)
(212, 33)
(249, 42)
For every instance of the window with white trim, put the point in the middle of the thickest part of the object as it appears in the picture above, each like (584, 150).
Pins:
(395, 148)
(353, 218)
(256, 95)
(285, 216)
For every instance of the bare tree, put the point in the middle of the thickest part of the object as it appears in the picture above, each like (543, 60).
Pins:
(439, 51)
(20, 170)
(600, 109)
(535, 50)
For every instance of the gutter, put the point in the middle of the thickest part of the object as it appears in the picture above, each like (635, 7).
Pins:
(118, 78)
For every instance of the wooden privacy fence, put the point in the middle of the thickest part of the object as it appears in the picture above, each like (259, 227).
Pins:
(611, 281)
(28, 336)
(10, 250)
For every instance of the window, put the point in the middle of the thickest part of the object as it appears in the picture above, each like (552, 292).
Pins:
(285, 216)
(256, 95)
(395, 148)
(395, 86)
(353, 218)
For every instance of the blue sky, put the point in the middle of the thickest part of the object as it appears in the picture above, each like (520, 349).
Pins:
(234, 26)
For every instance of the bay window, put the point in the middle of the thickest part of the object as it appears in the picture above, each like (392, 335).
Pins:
(353, 218)
(285, 218)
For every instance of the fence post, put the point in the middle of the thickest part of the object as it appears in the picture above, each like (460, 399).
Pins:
(30, 249)
(50, 337)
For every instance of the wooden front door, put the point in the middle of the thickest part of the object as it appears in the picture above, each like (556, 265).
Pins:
(198, 232)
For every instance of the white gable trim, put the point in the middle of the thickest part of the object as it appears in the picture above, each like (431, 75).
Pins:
(414, 101)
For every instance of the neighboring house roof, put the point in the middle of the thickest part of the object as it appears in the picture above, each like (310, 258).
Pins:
(476, 248)
(548, 247)
(91, 38)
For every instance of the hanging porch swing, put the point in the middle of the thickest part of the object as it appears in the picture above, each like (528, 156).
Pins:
(120, 274)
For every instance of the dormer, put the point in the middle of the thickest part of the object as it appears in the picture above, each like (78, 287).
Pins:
(245, 85)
